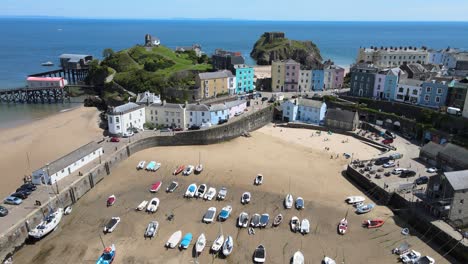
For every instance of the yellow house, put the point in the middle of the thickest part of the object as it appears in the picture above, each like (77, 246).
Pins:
(277, 76)
(212, 84)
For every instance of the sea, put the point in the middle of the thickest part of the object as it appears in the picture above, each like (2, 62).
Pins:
(28, 42)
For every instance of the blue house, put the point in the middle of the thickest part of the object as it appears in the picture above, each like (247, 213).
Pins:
(244, 78)
(317, 80)
(434, 94)
(218, 112)
(391, 83)
(304, 110)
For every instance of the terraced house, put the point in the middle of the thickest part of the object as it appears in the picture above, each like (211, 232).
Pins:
(285, 76)
(244, 78)
(304, 110)
(166, 115)
(212, 84)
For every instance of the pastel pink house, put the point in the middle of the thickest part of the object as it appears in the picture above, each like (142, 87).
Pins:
(235, 107)
(46, 82)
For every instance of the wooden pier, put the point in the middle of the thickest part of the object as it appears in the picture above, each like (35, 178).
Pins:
(34, 95)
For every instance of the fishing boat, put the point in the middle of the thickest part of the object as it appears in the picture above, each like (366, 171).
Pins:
(201, 190)
(264, 219)
(210, 194)
(217, 243)
(258, 179)
(179, 169)
(209, 215)
(305, 226)
(255, 220)
(112, 224)
(259, 255)
(298, 258)
(201, 243)
(228, 246)
(343, 226)
(243, 220)
(365, 208)
(184, 244)
(374, 223)
(245, 198)
(288, 201)
(225, 213)
(156, 186)
(174, 239)
(299, 203)
(107, 256)
(222, 194)
(151, 229)
(172, 187)
(191, 190)
(111, 200)
(153, 205)
(142, 205)
(295, 224)
(47, 64)
(47, 225)
(188, 170)
(354, 199)
(327, 260)
(141, 165)
(278, 219)
(410, 257)
(199, 167)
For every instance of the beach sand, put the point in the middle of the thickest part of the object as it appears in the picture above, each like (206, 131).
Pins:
(44, 141)
(288, 167)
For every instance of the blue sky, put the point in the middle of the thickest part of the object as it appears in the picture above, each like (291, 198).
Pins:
(312, 10)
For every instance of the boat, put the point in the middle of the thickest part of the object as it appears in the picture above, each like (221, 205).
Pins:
(222, 194)
(228, 246)
(405, 231)
(354, 199)
(172, 187)
(111, 200)
(251, 231)
(278, 219)
(402, 248)
(67, 210)
(209, 215)
(191, 190)
(410, 256)
(47, 225)
(198, 168)
(201, 243)
(210, 194)
(141, 165)
(298, 258)
(425, 260)
(305, 226)
(47, 63)
(243, 220)
(225, 213)
(327, 260)
(174, 239)
(151, 165)
(112, 224)
(259, 255)
(201, 190)
(258, 179)
(217, 243)
(179, 169)
(153, 205)
(295, 224)
(264, 219)
(375, 223)
(156, 166)
(152, 229)
(107, 256)
(299, 203)
(255, 220)
(245, 199)
(365, 208)
(288, 201)
(142, 205)
(156, 186)
(358, 204)
(343, 226)
(188, 170)
(186, 241)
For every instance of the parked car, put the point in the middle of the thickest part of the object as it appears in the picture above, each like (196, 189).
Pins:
(29, 186)
(178, 129)
(389, 164)
(222, 121)
(20, 195)
(396, 156)
(264, 99)
(194, 128)
(115, 139)
(398, 171)
(13, 200)
(431, 170)
(390, 134)
(387, 141)
(24, 190)
(382, 160)
(128, 134)
(165, 130)
(422, 180)
(3, 211)
(407, 174)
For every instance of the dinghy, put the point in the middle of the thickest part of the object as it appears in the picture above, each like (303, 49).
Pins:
(141, 165)
(299, 203)
(374, 223)
(288, 201)
(112, 224)
(174, 239)
(258, 179)
(405, 231)
(209, 215)
(225, 213)
(153, 205)
(179, 169)
(305, 227)
(201, 243)
(255, 220)
(201, 190)
(111, 200)
(410, 257)
(298, 258)
(343, 226)
(243, 220)
(228, 246)
(107, 256)
(156, 166)
(67, 210)
(259, 254)
(156, 186)
(354, 199)
(184, 244)
(210, 194)
(198, 168)
(245, 198)
(222, 194)
(327, 260)
(188, 170)
(365, 208)
(191, 190)
(152, 229)
(47, 225)
(172, 187)
(264, 219)
(217, 243)
(278, 219)
(151, 165)
(295, 224)
(142, 205)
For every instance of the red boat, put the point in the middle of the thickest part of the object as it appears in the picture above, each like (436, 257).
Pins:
(111, 200)
(343, 226)
(374, 223)
(156, 186)
(179, 169)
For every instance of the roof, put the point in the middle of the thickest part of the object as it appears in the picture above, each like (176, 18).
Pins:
(456, 153)
(125, 108)
(411, 82)
(310, 103)
(458, 179)
(148, 97)
(432, 149)
(215, 75)
(340, 115)
(197, 107)
(235, 103)
(218, 107)
(237, 60)
(291, 61)
(44, 79)
(74, 57)
(416, 68)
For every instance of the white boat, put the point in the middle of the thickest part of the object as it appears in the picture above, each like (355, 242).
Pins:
(255, 220)
(222, 194)
(243, 220)
(210, 194)
(410, 256)
(343, 226)
(156, 167)
(225, 213)
(47, 225)
(201, 190)
(153, 205)
(327, 260)
(67, 210)
(258, 179)
(278, 219)
(259, 254)
(198, 168)
(174, 239)
(217, 243)
(201, 243)
(172, 187)
(245, 199)
(298, 258)
(305, 226)
(112, 224)
(152, 229)
(47, 63)
(191, 190)
(188, 170)
(228, 246)
(209, 215)
(141, 165)
(142, 205)
(295, 224)
(288, 201)
(354, 199)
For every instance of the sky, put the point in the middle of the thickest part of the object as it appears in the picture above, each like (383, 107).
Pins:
(289, 10)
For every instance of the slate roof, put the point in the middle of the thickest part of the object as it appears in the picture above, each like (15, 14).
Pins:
(197, 107)
(218, 107)
(432, 149)
(74, 57)
(148, 97)
(416, 68)
(455, 153)
(457, 179)
(310, 103)
(215, 75)
(125, 108)
(340, 115)
(411, 82)
(235, 103)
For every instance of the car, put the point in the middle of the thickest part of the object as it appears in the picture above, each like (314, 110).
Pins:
(431, 170)
(398, 171)
(3, 211)
(165, 130)
(29, 186)
(13, 200)
(194, 128)
(387, 141)
(407, 174)
(264, 99)
(421, 180)
(178, 129)
(382, 160)
(128, 134)
(389, 164)
(115, 139)
(222, 121)
(24, 190)
(390, 134)
(20, 195)
(238, 113)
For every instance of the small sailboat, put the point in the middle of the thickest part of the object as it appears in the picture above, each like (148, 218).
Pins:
(111, 200)
(201, 243)
(112, 224)
(258, 179)
(243, 220)
(172, 187)
(107, 256)
(184, 244)
(152, 229)
(354, 199)
(174, 239)
(374, 223)
(217, 243)
(305, 226)
(327, 260)
(259, 254)
(228, 246)
(295, 224)
(67, 210)
(199, 167)
(222, 194)
(153, 205)
(343, 226)
(298, 258)
(179, 169)
(365, 208)
(299, 203)
(191, 190)
(48, 225)
(209, 215)
(151, 165)
(278, 219)
(288, 201)
(142, 205)
(156, 186)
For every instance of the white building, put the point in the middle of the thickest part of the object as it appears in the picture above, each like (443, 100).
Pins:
(393, 56)
(148, 98)
(305, 80)
(167, 115)
(409, 91)
(125, 118)
(197, 115)
(236, 107)
(67, 164)
(46, 82)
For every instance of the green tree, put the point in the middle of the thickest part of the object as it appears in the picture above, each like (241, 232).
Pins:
(106, 53)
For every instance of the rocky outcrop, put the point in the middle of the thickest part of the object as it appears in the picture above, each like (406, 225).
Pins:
(275, 46)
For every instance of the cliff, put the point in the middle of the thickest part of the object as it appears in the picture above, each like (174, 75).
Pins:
(275, 46)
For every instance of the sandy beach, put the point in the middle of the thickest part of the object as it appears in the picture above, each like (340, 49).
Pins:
(44, 141)
(304, 170)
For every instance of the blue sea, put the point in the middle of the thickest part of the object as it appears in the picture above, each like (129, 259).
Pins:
(27, 42)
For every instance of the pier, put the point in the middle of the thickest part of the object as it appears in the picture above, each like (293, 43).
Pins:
(34, 95)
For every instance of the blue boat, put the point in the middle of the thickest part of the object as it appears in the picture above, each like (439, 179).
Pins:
(225, 213)
(186, 241)
(107, 256)
(365, 208)
(151, 165)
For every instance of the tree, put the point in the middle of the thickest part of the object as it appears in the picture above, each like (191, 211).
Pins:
(106, 53)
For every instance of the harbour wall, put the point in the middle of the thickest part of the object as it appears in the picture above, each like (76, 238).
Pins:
(15, 237)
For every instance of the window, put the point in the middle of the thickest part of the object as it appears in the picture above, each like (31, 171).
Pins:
(294, 67)
(439, 90)
(287, 74)
(426, 98)
(462, 201)
(130, 116)
(203, 113)
(415, 92)
(63, 170)
(151, 111)
(428, 89)
(287, 67)
(117, 119)
(178, 121)
(191, 114)
(400, 90)
(437, 99)
(82, 160)
(167, 120)
(190, 119)
(110, 119)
